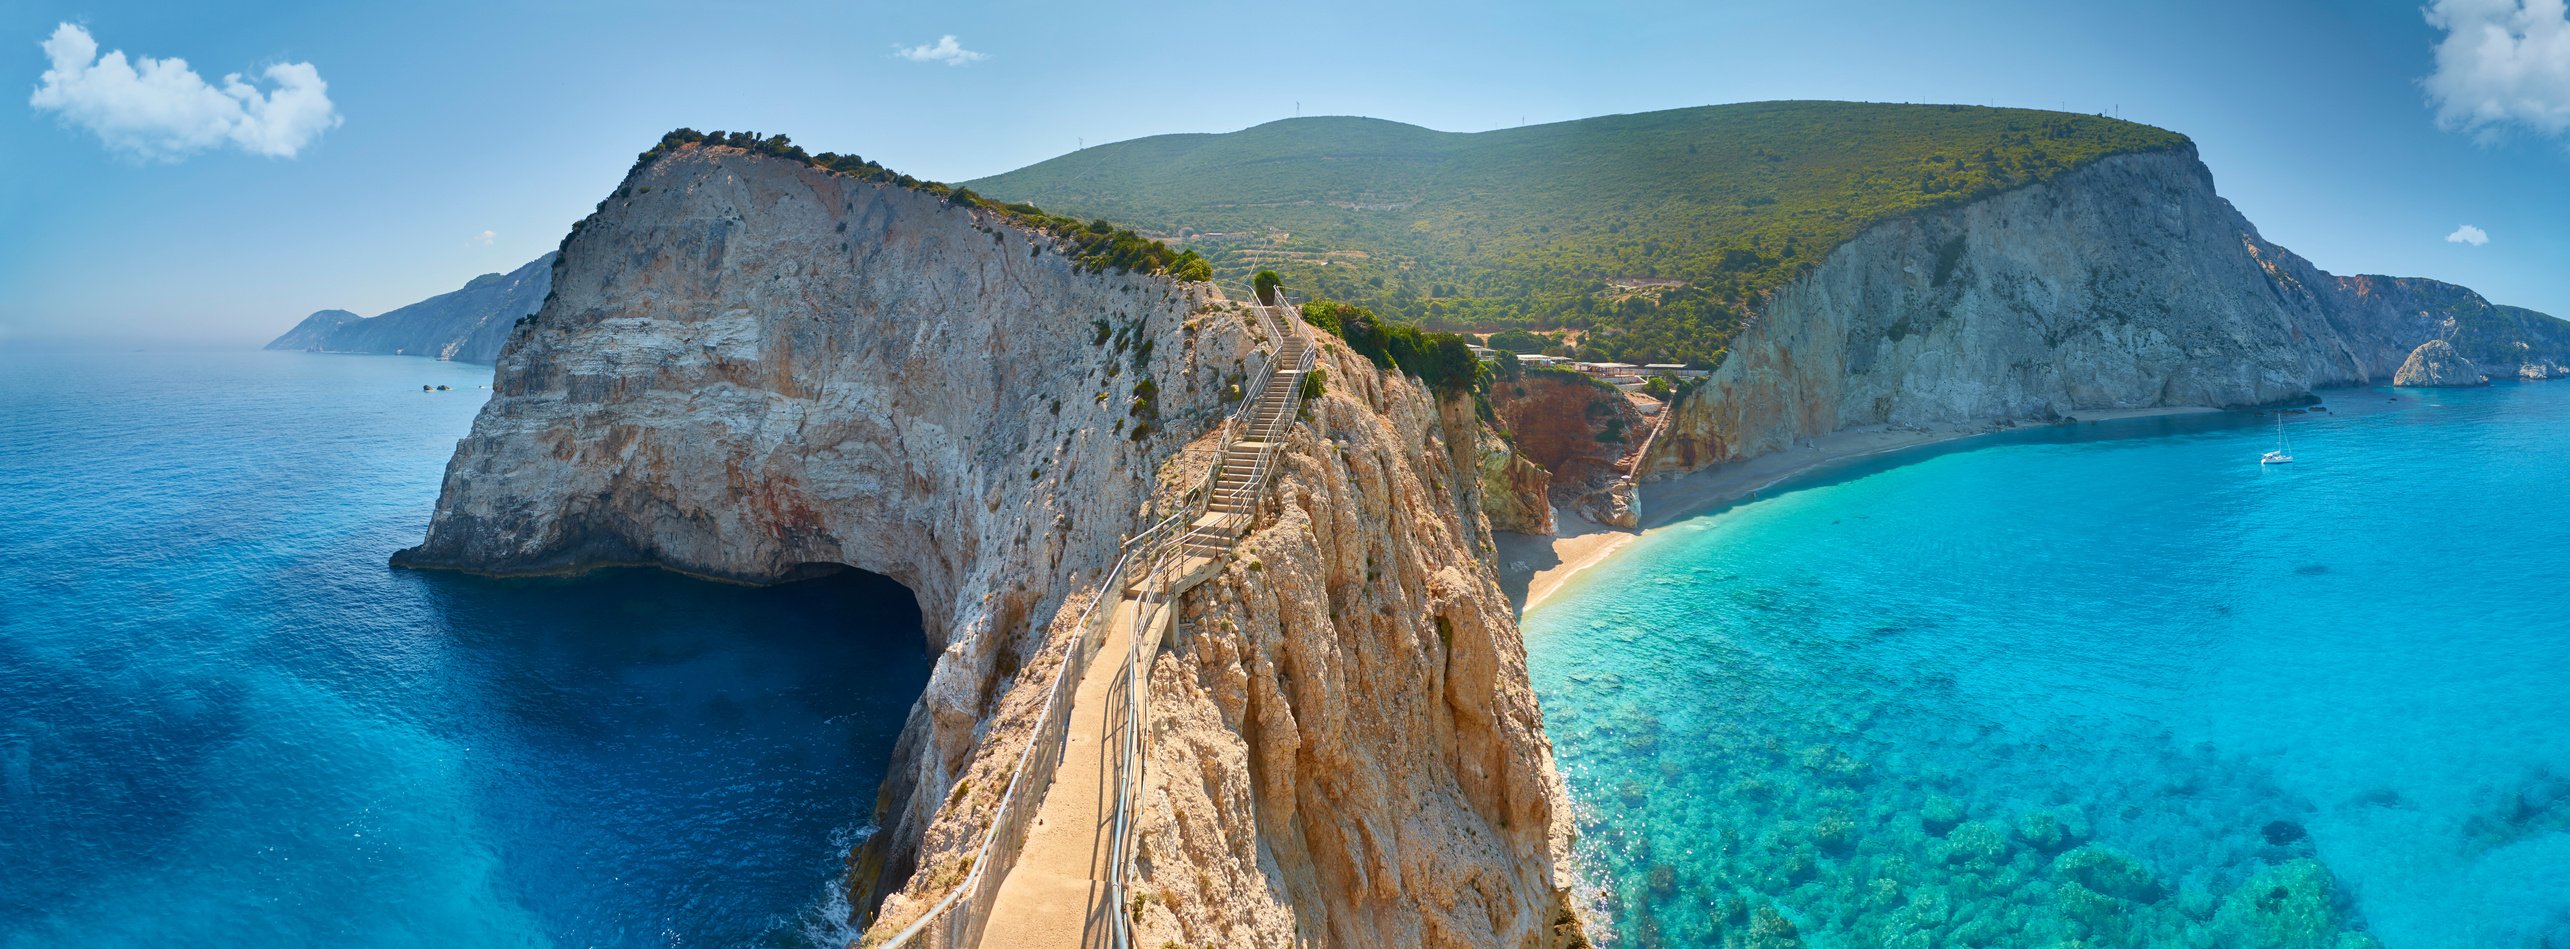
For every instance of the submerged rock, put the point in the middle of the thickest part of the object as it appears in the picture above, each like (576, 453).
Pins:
(1977, 842)
(2435, 364)
(2537, 804)
(2292, 905)
(2282, 832)
(1940, 815)
(2379, 797)
(2050, 832)
(2109, 872)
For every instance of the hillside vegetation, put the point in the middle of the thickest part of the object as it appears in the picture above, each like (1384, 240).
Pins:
(1094, 245)
(1655, 233)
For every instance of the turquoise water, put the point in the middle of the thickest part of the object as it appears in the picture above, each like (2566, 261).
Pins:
(2115, 684)
(225, 722)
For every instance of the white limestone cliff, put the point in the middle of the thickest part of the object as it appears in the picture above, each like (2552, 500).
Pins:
(2435, 364)
(755, 369)
(2126, 284)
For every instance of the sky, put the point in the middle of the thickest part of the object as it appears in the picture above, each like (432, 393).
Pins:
(363, 156)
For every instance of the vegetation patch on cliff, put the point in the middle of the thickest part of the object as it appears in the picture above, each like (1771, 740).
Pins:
(1094, 244)
(1443, 360)
(1656, 233)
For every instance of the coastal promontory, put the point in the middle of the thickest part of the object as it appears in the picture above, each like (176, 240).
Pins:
(467, 324)
(2435, 364)
(757, 366)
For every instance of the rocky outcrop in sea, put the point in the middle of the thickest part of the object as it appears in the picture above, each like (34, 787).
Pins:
(756, 369)
(2435, 364)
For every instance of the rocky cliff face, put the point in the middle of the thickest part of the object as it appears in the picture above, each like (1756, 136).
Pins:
(755, 369)
(2125, 284)
(1346, 749)
(2505, 340)
(466, 325)
(2435, 364)
(1581, 431)
(1517, 493)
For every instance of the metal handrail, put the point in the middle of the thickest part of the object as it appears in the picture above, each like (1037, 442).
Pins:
(978, 883)
(1154, 547)
(1267, 437)
(1157, 596)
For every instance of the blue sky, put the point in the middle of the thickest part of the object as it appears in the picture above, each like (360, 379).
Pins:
(461, 138)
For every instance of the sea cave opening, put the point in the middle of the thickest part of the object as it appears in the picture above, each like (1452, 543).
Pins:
(660, 754)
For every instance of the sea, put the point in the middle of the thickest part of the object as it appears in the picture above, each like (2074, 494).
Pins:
(2114, 684)
(225, 721)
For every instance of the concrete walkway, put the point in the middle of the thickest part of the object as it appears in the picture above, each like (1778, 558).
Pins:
(1056, 895)
(1060, 892)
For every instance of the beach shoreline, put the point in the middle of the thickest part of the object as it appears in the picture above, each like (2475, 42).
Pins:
(1534, 568)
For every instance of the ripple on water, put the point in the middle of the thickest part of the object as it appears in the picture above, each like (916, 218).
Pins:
(225, 722)
(2017, 702)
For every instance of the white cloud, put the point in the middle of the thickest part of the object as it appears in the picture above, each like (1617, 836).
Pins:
(161, 109)
(945, 50)
(2467, 234)
(2501, 63)
(486, 237)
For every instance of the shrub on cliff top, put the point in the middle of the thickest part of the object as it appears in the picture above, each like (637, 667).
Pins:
(1442, 360)
(1093, 245)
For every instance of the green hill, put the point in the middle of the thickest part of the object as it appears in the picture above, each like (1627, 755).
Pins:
(1655, 232)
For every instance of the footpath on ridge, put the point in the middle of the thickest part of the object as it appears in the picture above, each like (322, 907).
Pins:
(1067, 814)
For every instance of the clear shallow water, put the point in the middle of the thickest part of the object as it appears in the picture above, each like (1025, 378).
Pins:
(2116, 684)
(224, 721)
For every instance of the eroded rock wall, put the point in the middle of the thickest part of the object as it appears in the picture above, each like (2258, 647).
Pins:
(1581, 431)
(2126, 284)
(1344, 747)
(751, 367)
(2503, 340)
(1517, 493)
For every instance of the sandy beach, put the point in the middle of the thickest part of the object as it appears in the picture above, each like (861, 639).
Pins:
(1533, 568)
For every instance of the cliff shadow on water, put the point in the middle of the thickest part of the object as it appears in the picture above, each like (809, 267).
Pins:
(687, 759)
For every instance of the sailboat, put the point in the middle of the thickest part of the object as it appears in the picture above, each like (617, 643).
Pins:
(2283, 455)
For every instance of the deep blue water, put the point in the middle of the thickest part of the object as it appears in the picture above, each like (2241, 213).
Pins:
(224, 721)
(2115, 683)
